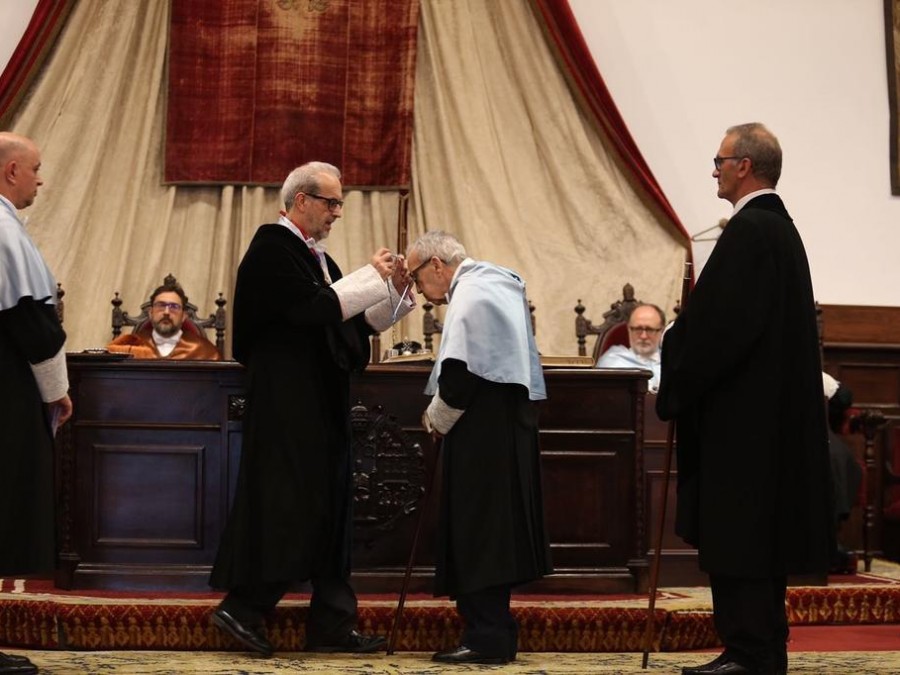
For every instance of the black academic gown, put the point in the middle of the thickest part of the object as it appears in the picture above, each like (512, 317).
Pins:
(492, 519)
(741, 374)
(30, 333)
(291, 514)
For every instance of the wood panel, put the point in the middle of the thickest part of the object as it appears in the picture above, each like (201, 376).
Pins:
(860, 324)
(862, 351)
(148, 465)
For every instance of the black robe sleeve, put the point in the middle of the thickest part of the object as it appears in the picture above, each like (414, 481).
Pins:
(457, 385)
(725, 317)
(32, 329)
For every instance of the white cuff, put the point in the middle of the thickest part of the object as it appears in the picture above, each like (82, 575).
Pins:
(386, 313)
(359, 290)
(442, 416)
(52, 378)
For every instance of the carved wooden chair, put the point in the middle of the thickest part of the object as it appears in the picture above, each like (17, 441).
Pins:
(60, 303)
(192, 321)
(890, 506)
(431, 325)
(614, 328)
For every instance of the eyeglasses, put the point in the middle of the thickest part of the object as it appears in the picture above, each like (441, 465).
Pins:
(171, 306)
(412, 275)
(644, 329)
(331, 202)
(717, 161)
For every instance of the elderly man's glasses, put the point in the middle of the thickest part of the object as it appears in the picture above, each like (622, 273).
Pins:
(161, 306)
(717, 161)
(637, 330)
(330, 202)
(412, 275)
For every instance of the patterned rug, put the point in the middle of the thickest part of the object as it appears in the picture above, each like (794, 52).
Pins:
(33, 615)
(219, 663)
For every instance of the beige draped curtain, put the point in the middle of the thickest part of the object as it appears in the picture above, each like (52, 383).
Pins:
(503, 158)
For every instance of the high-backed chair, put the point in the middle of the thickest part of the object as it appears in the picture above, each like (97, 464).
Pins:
(614, 328)
(192, 322)
(60, 303)
(889, 497)
(869, 423)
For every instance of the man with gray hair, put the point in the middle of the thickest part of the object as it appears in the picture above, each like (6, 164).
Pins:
(485, 384)
(751, 486)
(34, 385)
(300, 328)
(645, 326)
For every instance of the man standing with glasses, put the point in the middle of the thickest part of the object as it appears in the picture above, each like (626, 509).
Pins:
(300, 328)
(741, 376)
(163, 336)
(645, 327)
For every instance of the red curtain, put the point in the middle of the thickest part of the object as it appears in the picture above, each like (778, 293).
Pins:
(571, 49)
(48, 19)
(257, 87)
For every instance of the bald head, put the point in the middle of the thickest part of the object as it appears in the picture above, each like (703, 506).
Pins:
(20, 162)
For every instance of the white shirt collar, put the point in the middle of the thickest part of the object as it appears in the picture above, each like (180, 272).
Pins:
(165, 345)
(653, 358)
(12, 209)
(316, 246)
(742, 202)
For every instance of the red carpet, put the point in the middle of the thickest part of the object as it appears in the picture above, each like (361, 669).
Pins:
(852, 638)
(33, 614)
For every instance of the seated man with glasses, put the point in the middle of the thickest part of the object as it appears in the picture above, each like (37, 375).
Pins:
(163, 335)
(645, 327)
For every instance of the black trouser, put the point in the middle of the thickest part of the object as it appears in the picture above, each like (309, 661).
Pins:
(751, 620)
(489, 626)
(332, 608)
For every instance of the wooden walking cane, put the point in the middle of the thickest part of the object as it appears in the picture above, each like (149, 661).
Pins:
(667, 470)
(395, 627)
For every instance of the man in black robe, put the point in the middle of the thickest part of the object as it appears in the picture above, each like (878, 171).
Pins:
(485, 383)
(846, 472)
(300, 328)
(753, 480)
(34, 385)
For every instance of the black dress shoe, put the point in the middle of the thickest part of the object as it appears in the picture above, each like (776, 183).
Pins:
(463, 654)
(721, 665)
(353, 642)
(13, 658)
(13, 664)
(246, 635)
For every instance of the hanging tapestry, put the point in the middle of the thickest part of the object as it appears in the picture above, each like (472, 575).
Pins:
(258, 87)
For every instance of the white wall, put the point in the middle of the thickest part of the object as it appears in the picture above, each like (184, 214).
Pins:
(814, 71)
(14, 17)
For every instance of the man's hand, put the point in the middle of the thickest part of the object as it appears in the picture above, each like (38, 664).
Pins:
(60, 411)
(400, 276)
(429, 427)
(383, 262)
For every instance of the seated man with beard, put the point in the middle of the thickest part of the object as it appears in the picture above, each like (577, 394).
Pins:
(162, 335)
(645, 328)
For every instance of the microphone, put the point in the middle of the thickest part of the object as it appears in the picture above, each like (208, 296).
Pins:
(720, 225)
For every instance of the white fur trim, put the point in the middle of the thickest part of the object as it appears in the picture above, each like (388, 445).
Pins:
(442, 416)
(52, 378)
(829, 385)
(382, 316)
(359, 290)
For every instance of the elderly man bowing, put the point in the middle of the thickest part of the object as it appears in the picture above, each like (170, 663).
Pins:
(485, 383)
